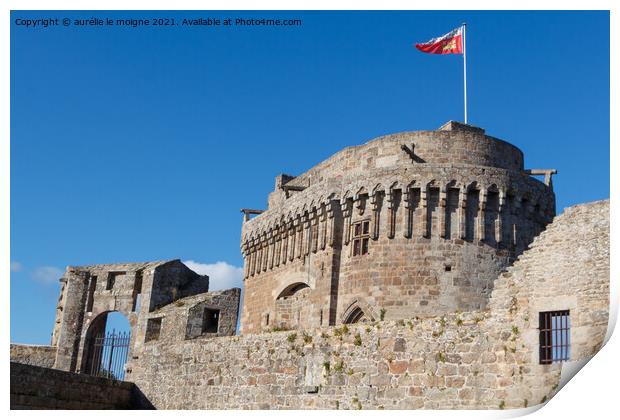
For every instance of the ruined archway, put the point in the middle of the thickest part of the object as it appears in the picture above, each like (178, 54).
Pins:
(106, 345)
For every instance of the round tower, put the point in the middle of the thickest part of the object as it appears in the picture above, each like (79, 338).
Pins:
(410, 224)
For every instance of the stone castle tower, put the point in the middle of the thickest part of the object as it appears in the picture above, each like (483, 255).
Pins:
(409, 224)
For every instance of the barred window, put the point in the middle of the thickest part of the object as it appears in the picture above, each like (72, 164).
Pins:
(554, 329)
(361, 237)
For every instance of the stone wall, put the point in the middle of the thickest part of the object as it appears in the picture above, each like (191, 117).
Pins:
(43, 356)
(460, 361)
(416, 364)
(478, 359)
(34, 387)
(446, 211)
(567, 268)
(184, 319)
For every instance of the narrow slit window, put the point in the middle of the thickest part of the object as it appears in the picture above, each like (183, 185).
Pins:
(110, 283)
(137, 290)
(92, 286)
(554, 330)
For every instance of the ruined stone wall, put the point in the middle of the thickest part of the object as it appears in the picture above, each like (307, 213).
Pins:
(88, 295)
(477, 359)
(175, 281)
(34, 387)
(455, 197)
(136, 290)
(28, 354)
(70, 324)
(183, 319)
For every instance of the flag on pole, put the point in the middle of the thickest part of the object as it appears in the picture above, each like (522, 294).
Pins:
(450, 43)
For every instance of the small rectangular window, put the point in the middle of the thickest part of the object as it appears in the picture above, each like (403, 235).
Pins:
(153, 328)
(112, 279)
(361, 237)
(210, 320)
(554, 330)
(137, 290)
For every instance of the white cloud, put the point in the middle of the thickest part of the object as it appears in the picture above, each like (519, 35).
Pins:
(221, 274)
(16, 266)
(47, 274)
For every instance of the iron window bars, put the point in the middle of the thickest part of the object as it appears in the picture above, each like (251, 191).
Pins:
(554, 330)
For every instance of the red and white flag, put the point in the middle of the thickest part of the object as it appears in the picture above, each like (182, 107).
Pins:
(450, 43)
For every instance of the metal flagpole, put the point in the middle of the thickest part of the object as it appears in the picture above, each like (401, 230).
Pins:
(465, 71)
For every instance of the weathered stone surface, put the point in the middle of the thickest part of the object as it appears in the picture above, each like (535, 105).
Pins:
(34, 387)
(28, 354)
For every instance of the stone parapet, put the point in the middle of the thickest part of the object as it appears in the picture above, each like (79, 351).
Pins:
(35, 355)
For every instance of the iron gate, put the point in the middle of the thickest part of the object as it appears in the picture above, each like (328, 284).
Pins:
(110, 354)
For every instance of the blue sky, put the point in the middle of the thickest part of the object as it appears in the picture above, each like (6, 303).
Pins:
(138, 144)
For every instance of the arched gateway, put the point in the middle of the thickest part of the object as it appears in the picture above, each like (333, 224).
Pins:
(106, 346)
(142, 295)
